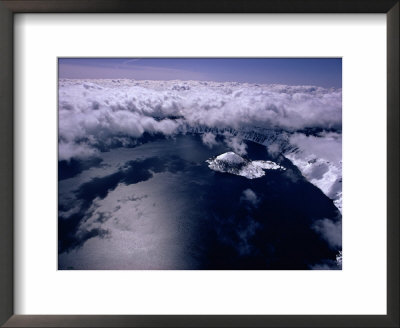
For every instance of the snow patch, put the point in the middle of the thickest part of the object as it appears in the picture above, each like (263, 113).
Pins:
(319, 158)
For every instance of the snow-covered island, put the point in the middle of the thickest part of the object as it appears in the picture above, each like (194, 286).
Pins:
(233, 163)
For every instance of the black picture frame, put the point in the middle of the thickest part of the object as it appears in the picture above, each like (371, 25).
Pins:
(10, 7)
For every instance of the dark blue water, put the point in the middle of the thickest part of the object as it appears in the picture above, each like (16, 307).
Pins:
(218, 227)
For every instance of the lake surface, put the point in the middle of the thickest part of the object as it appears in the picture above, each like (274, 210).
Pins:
(159, 206)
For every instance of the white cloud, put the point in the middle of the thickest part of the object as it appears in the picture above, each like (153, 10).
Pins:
(235, 143)
(274, 149)
(208, 139)
(66, 151)
(245, 247)
(250, 196)
(330, 231)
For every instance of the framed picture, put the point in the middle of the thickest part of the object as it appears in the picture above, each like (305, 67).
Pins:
(206, 164)
(186, 171)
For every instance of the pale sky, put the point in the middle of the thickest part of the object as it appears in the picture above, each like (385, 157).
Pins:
(325, 72)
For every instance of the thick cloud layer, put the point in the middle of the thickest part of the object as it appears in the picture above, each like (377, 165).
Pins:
(99, 113)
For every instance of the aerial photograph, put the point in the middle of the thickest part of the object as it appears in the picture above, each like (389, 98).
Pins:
(199, 163)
